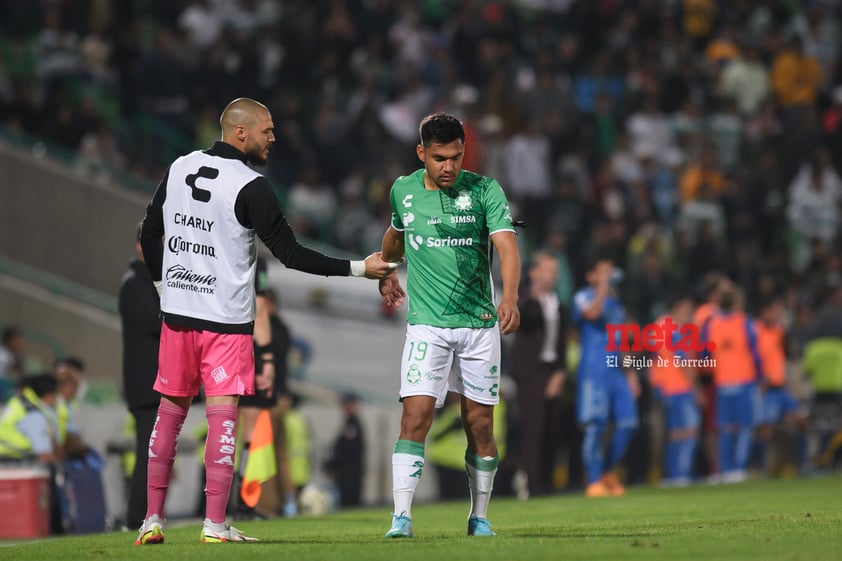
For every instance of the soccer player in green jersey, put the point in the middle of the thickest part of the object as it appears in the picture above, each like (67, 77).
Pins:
(444, 221)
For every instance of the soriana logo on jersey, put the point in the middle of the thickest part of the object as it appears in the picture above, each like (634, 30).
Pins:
(416, 242)
(682, 341)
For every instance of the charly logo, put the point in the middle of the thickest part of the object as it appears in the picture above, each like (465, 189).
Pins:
(199, 194)
(407, 201)
(195, 222)
(179, 276)
(414, 375)
(463, 201)
(177, 244)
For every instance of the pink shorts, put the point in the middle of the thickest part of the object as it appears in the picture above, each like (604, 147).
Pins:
(221, 362)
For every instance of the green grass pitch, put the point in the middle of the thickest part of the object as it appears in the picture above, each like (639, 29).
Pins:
(760, 520)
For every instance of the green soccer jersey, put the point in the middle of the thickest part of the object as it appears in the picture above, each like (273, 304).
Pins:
(448, 252)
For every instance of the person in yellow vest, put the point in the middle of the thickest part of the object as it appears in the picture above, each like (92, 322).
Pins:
(822, 362)
(298, 445)
(127, 452)
(447, 444)
(28, 427)
(778, 403)
(68, 372)
(28, 431)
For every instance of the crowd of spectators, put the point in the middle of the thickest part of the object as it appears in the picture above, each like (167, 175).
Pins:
(683, 135)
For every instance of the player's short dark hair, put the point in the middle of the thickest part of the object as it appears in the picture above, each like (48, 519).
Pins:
(440, 128)
(41, 384)
(711, 282)
(596, 258)
(73, 362)
(138, 231)
(729, 298)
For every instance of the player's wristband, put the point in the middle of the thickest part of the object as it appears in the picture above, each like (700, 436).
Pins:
(357, 268)
(260, 350)
(159, 286)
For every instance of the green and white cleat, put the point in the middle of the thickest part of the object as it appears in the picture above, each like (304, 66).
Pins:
(151, 531)
(479, 527)
(213, 532)
(401, 527)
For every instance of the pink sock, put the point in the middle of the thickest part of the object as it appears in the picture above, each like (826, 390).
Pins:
(219, 459)
(162, 448)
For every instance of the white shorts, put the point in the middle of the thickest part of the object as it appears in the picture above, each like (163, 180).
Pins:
(441, 359)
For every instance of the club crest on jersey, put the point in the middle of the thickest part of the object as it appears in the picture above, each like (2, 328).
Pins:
(463, 201)
(414, 375)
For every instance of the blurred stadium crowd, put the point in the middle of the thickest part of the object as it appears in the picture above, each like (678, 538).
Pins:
(684, 135)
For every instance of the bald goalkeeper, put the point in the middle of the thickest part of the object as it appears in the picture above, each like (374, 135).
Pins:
(207, 210)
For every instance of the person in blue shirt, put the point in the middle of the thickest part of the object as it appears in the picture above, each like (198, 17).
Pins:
(605, 392)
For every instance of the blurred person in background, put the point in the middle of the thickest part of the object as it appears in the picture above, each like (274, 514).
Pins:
(11, 361)
(815, 195)
(675, 384)
(28, 426)
(29, 431)
(605, 392)
(712, 286)
(822, 362)
(537, 359)
(140, 318)
(280, 493)
(264, 397)
(737, 370)
(778, 403)
(346, 463)
(69, 372)
(299, 444)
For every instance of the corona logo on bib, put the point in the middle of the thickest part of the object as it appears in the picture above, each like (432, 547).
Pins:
(656, 337)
